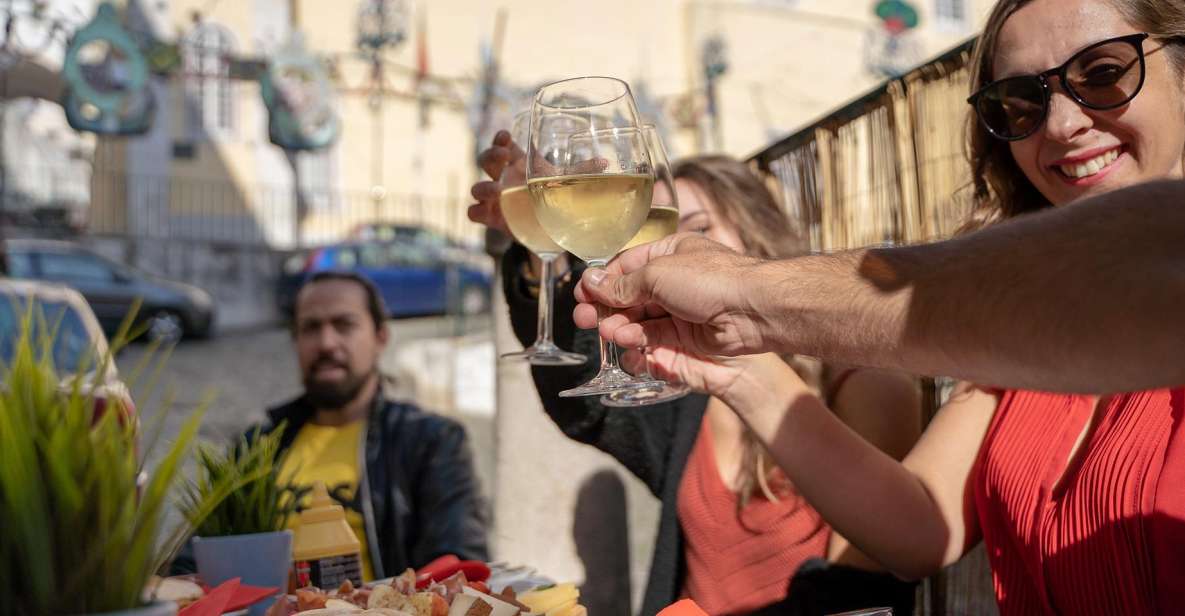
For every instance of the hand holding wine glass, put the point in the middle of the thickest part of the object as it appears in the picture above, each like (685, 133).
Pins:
(505, 149)
(663, 220)
(720, 314)
(518, 212)
(591, 180)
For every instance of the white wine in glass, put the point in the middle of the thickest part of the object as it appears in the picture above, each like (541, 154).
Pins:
(662, 221)
(592, 216)
(519, 212)
(591, 180)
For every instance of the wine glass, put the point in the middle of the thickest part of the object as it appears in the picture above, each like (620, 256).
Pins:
(662, 221)
(590, 179)
(519, 213)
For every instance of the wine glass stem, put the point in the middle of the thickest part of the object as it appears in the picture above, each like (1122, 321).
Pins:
(546, 301)
(608, 349)
(646, 374)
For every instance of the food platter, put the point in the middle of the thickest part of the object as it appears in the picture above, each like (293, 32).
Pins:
(521, 590)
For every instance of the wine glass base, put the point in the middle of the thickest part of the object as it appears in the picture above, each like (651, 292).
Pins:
(546, 356)
(607, 382)
(659, 392)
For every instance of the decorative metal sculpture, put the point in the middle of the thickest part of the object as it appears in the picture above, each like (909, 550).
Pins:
(890, 50)
(382, 25)
(107, 79)
(896, 15)
(296, 91)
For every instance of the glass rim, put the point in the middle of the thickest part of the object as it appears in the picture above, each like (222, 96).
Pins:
(625, 92)
(662, 172)
(521, 121)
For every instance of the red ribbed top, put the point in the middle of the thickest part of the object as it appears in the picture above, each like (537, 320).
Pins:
(740, 561)
(1103, 533)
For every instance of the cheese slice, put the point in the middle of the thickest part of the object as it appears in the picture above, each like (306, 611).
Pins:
(561, 609)
(543, 601)
(572, 610)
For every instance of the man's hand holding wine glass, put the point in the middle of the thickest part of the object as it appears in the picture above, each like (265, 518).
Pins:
(717, 313)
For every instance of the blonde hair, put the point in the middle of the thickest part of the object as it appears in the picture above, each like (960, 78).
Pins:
(743, 200)
(1001, 189)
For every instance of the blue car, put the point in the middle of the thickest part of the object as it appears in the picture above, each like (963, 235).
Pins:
(413, 279)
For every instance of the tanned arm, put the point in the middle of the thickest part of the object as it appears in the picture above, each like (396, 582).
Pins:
(1086, 298)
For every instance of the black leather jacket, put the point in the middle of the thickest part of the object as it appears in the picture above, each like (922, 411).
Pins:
(419, 496)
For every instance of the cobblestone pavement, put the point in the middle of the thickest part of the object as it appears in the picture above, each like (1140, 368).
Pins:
(241, 374)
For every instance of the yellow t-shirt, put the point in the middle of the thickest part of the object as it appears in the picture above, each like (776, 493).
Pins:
(329, 454)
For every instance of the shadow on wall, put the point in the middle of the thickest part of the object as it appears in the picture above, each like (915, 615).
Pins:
(600, 529)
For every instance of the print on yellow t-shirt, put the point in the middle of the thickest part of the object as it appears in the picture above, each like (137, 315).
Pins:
(330, 454)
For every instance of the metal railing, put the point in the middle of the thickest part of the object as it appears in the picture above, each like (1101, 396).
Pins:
(224, 212)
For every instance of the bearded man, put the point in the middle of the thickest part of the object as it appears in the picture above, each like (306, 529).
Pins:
(404, 476)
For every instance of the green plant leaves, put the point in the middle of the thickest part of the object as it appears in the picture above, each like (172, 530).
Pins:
(79, 535)
(245, 482)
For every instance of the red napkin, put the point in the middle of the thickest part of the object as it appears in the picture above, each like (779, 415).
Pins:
(246, 596)
(686, 607)
(229, 596)
(215, 602)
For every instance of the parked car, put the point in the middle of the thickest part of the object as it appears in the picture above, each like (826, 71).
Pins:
(171, 310)
(413, 279)
(423, 237)
(79, 345)
(391, 231)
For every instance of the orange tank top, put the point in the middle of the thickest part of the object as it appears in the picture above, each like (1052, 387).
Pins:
(738, 561)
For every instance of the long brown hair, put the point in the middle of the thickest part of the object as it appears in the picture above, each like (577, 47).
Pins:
(1001, 189)
(742, 199)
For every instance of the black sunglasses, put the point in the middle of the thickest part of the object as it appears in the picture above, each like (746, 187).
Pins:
(1102, 76)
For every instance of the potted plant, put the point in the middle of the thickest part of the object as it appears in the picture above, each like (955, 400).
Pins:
(245, 535)
(81, 533)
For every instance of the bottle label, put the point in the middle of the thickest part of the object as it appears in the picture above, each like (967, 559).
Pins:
(329, 572)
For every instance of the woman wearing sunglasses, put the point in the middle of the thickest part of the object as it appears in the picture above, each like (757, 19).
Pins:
(1080, 500)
